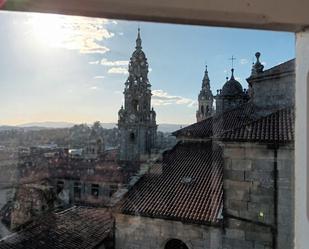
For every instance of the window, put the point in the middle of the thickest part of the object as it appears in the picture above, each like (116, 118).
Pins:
(60, 186)
(135, 105)
(132, 136)
(189, 158)
(175, 244)
(95, 190)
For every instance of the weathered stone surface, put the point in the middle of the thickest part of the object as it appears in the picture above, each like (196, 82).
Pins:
(237, 205)
(149, 233)
(261, 237)
(237, 244)
(236, 185)
(256, 204)
(235, 234)
(237, 175)
(240, 195)
(241, 164)
(263, 165)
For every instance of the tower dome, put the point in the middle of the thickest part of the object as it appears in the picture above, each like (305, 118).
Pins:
(232, 87)
(231, 95)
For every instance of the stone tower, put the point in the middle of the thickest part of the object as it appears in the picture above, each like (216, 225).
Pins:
(205, 99)
(137, 119)
(231, 95)
(95, 146)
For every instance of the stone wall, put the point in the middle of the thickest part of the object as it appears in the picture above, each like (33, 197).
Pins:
(136, 232)
(275, 92)
(250, 194)
(285, 161)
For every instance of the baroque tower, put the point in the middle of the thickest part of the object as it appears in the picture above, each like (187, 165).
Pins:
(137, 119)
(205, 100)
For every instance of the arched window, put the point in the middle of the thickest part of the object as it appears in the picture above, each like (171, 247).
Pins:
(135, 105)
(175, 244)
(132, 136)
(202, 109)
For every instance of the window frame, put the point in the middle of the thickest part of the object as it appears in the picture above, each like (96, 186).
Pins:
(291, 16)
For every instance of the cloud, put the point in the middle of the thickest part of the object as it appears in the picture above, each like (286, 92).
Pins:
(99, 77)
(105, 62)
(264, 63)
(94, 62)
(83, 34)
(120, 33)
(243, 61)
(118, 70)
(94, 88)
(162, 98)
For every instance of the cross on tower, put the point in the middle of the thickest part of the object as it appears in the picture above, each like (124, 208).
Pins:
(232, 59)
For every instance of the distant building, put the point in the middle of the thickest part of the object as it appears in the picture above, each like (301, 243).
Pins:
(95, 147)
(137, 119)
(205, 99)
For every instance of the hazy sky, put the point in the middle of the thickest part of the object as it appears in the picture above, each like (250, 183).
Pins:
(57, 68)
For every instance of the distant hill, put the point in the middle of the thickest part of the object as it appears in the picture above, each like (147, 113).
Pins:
(47, 124)
(55, 125)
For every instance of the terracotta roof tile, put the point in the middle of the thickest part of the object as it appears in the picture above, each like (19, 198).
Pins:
(276, 127)
(187, 188)
(77, 227)
(219, 122)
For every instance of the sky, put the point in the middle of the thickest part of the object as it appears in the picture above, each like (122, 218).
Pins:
(73, 69)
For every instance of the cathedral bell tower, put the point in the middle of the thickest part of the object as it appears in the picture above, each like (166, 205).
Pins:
(205, 100)
(137, 119)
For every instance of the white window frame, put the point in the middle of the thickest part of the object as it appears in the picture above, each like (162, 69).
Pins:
(282, 15)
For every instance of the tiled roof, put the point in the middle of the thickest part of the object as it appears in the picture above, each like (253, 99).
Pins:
(276, 127)
(76, 228)
(219, 123)
(188, 187)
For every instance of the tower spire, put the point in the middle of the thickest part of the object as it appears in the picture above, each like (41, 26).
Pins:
(206, 79)
(138, 39)
(205, 99)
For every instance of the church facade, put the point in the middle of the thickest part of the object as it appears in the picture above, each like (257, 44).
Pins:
(137, 118)
(228, 183)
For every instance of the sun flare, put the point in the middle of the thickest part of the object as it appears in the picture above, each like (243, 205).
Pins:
(53, 30)
(71, 32)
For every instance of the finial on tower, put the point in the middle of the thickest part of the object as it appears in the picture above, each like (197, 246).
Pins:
(232, 76)
(138, 40)
(257, 67)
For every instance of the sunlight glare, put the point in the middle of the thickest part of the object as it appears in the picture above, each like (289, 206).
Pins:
(53, 30)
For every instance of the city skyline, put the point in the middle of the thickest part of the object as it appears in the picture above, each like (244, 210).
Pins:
(73, 69)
